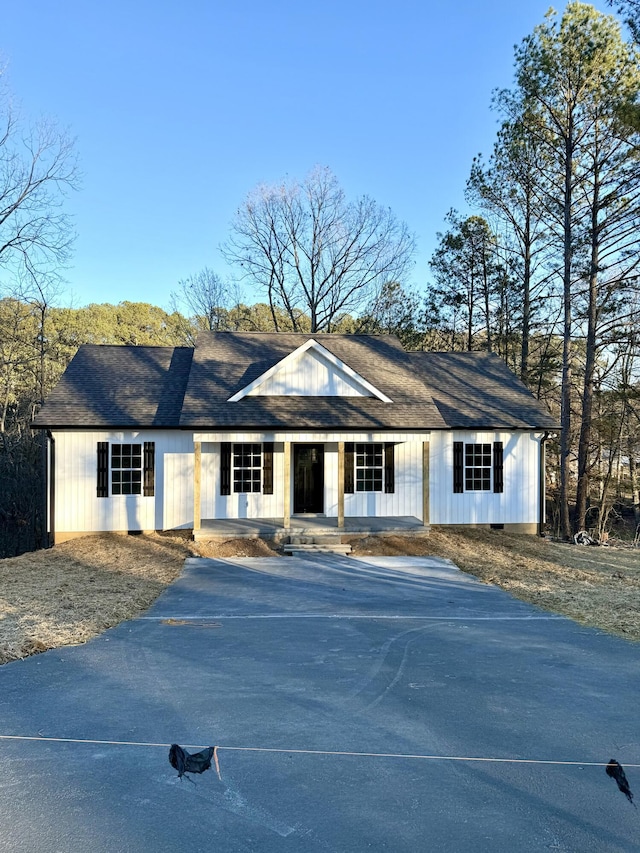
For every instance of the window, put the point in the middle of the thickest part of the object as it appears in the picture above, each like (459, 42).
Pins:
(369, 467)
(126, 469)
(477, 467)
(247, 465)
(131, 472)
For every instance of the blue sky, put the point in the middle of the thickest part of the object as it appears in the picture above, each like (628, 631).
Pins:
(180, 108)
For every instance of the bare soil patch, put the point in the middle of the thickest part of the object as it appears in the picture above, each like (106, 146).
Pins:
(75, 591)
(597, 586)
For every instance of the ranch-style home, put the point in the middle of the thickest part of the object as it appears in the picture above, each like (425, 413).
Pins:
(280, 432)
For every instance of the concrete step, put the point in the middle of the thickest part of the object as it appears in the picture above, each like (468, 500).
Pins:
(317, 539)
(308, 548)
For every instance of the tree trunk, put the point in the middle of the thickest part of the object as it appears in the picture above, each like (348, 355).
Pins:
(565, 414)
(526, 296)
(633, 480)
(582, 490)
(487, 304)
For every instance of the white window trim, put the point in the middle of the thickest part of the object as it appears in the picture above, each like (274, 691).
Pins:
(371, 447)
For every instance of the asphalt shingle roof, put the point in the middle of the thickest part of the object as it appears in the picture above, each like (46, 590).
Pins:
(172, 387)
(119, 386)
(226, 362)
(476, 390)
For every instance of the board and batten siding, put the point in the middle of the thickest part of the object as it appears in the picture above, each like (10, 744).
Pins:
(238, 505)
(519, 501)
(311, 375)
(406, 498)
(77, 507)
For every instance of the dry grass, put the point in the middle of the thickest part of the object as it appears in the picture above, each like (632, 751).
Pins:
(598, 586)
(76, 590)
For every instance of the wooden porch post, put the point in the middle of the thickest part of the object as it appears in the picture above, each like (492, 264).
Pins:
(340, 485)
(197, 471)
(286, 521)
(425, 482)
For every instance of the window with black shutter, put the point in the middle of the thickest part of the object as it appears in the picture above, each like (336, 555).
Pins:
(149, 468)
(225, 468)
(128, 467)
(349, 461)
(102, 490)
(458, 467)
(267, 468)
(389, 468)
(476, 467)
(498, 467)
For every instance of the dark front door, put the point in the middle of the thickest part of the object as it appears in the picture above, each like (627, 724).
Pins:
(308, 478)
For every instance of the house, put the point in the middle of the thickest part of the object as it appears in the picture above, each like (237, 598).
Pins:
(288, 428)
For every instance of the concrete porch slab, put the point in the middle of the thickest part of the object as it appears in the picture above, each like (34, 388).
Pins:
(300, 525)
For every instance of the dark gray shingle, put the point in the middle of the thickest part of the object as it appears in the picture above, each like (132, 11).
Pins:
(475, 390)
(119, 386)
(226, 362)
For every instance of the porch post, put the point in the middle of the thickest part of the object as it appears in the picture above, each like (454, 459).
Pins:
(340, 485)
(425, 482)
(197, 468)
(286, 521)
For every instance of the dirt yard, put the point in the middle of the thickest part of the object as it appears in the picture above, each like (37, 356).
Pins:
(76, 590)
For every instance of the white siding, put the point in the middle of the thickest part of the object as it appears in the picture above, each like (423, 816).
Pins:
(406, 500)
(518, 503)
(407, 496)
(78, 509)
(178, 491)
(330, 480)
(253, 505)
(310, 375)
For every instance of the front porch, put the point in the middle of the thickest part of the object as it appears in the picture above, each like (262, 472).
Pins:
(307, 525)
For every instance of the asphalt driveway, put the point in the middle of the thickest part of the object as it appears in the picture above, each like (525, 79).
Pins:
(318, 659)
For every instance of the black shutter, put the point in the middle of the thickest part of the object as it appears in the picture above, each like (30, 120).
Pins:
(389, 468)
(149, 468)
(267, 467)
(498, 464)
(225, 468)
(102, 490)
(348, 468)
(458, 467)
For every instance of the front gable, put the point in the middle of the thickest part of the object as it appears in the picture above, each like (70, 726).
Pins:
(310, 371)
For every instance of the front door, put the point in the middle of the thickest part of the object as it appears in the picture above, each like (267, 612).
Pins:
(308, 478)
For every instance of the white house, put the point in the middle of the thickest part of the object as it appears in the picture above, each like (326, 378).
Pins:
(279, 429)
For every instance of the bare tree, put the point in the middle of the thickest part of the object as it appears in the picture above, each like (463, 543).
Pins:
(208, 300)
(37, 170)
(312, 251)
